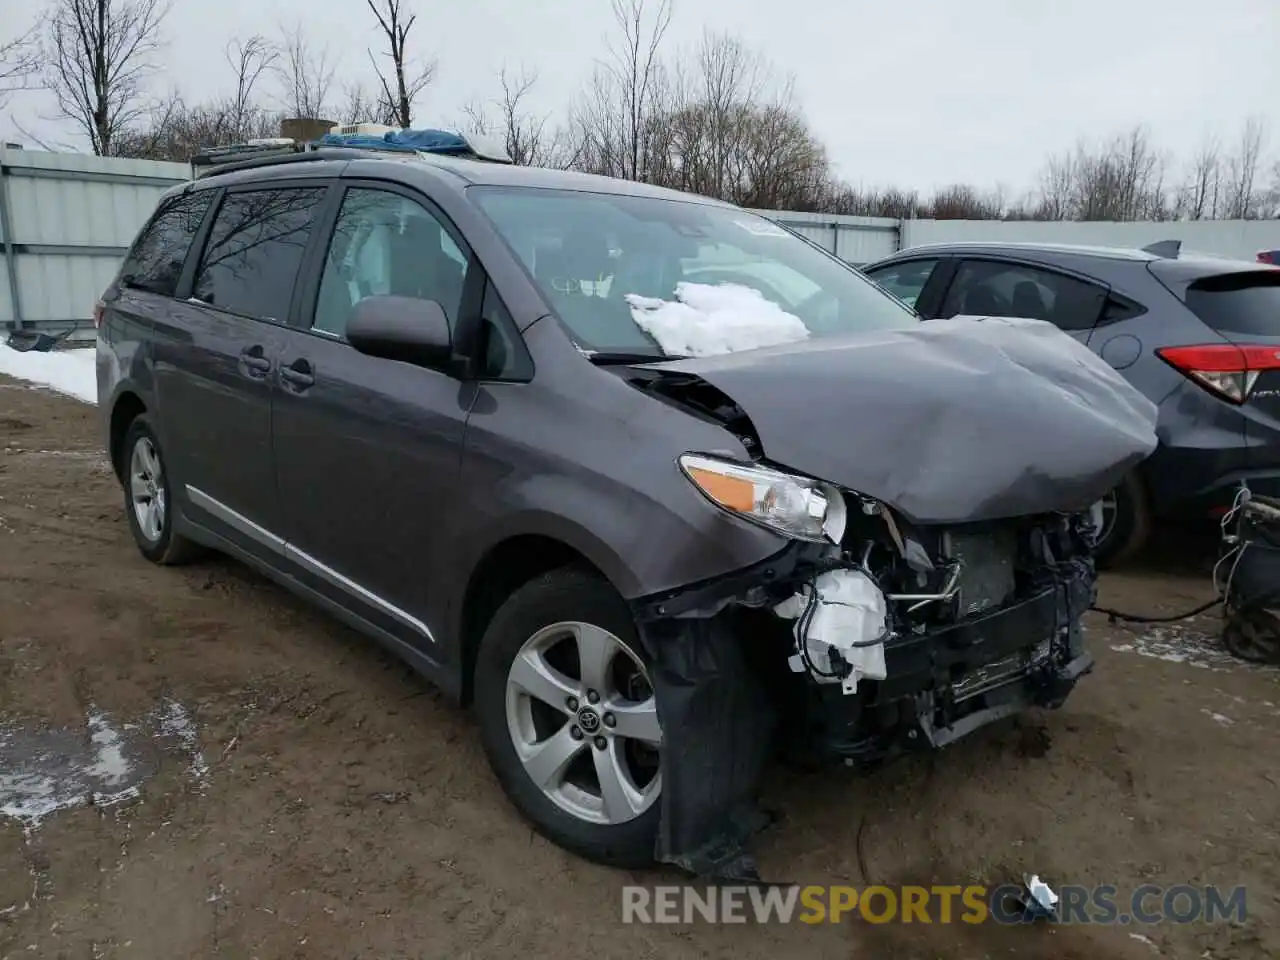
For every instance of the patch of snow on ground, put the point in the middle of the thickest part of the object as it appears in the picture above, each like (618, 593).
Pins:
(1144, 939)
(1179, 644)
(46, 771)
(175, 722)
(66, 371)
(1218, 718)
(707, 320)
(110, 768)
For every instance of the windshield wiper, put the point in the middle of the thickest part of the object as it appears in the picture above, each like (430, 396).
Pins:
(608, 357)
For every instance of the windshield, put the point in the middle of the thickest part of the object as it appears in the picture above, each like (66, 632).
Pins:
(639, 275)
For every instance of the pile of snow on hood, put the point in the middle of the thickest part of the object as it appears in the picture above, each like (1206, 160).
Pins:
(707, 320)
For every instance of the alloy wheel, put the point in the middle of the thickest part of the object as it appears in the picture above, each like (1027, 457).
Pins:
(584, 723)
(146, 489)
(1102, 516)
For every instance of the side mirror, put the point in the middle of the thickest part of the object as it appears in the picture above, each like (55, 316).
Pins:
(402, 328)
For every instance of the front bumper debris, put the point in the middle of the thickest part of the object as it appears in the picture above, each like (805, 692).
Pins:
(727, 701)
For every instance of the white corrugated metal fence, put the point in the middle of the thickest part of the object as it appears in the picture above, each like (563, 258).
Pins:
(65, 221)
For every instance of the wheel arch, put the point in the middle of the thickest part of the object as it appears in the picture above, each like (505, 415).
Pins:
(503, 569)
(128, 407)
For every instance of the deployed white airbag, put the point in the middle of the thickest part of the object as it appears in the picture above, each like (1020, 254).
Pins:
(841, 620)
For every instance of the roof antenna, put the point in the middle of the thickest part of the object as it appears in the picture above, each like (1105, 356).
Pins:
(1164, 249)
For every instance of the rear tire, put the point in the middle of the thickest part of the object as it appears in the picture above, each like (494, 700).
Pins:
(1128, 527)
(562, 624)
(148, 499)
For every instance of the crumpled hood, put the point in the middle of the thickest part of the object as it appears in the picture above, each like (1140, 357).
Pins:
(952, 420)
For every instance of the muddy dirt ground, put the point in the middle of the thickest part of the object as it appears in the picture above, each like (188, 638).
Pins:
(291, 792)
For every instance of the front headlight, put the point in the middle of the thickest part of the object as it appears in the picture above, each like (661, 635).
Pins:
(795, 506)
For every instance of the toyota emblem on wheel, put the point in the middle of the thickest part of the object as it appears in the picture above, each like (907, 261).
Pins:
(588, 720)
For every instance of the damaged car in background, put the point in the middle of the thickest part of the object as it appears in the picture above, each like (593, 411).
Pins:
(661, 490)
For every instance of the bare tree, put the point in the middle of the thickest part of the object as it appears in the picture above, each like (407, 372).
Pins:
(863, 202)
(525, 135)
(19, 62)
(98, 61)
(1057, 188)
(1200, 197)
(407, 80)
(249, 59)
(723, 126)
(614, 119)
(1242, 199)
(358, 105)
(1122, 179)
(961, 201)
(713, 116)
(529, 138)
(306, 74)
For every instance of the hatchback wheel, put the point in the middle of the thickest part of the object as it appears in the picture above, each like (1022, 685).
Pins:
(148, 501)
(568, 717)
(1122, 523)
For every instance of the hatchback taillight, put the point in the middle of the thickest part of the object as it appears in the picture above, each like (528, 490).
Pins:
(98, 308)
(1226, 369)
(1269, 256)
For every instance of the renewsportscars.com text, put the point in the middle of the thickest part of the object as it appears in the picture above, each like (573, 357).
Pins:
(940, 903)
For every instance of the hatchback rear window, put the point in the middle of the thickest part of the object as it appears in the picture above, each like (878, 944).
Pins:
(1244, 303)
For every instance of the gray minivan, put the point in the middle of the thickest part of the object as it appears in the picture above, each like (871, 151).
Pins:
(659, 489)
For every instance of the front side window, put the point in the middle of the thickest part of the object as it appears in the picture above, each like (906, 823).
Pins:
(906, 281)
(255, 250)
(385, 243)
(155, 262)
(648, 276)
(987, 288)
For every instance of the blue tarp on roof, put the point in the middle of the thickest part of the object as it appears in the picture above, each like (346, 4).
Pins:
(428, 141)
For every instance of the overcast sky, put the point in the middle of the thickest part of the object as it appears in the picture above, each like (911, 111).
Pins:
(915, 93)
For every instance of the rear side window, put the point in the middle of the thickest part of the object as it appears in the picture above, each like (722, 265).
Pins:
(155, 262)
(1244, 303)
(255, 250)
(983, 288)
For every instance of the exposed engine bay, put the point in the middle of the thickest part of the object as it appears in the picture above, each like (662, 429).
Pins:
(876, 637)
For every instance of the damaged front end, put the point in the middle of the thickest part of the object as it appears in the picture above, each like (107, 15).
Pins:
(936, 490)
(884, 638)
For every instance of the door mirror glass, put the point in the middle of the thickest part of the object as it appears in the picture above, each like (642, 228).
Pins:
(401, 328)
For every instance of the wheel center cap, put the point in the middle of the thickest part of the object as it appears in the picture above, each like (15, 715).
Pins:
(588, 720)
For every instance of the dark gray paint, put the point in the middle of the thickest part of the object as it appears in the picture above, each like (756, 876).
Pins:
(952, 421)
(396, 328)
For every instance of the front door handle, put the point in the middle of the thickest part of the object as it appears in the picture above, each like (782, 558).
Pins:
(298, 375)
(254, 362)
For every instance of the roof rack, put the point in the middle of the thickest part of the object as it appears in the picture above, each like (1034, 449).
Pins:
(344, 140)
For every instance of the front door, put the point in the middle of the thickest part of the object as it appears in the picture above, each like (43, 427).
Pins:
(217, 357)
(368, 451)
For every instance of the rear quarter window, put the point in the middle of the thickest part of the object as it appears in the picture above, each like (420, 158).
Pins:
(1241, 303)
(155, 262)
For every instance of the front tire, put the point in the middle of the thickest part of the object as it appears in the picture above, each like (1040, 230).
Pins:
(148, 499)
(568, 717)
